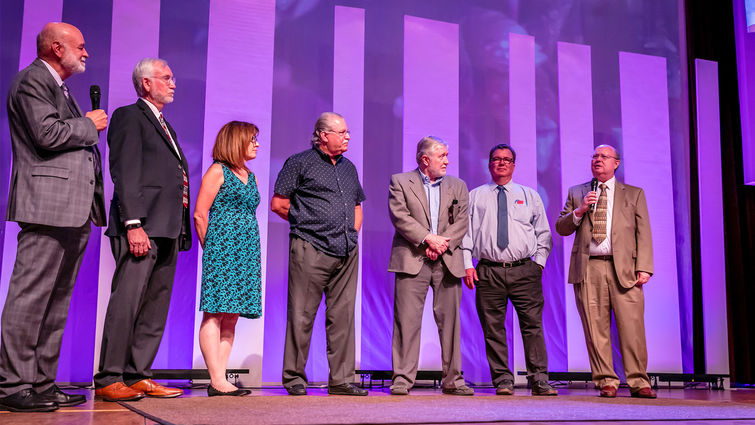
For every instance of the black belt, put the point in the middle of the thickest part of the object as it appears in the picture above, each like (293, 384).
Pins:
(602, 257)
(505, 264)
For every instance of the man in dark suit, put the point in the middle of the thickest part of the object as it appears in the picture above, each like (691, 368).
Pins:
(149, 224)
(429, 211)
(55, 193)
(611, 260)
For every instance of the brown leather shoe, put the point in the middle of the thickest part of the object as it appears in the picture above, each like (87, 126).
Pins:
(645, 392)
(153, 389)
(608, 391)
(118, 392)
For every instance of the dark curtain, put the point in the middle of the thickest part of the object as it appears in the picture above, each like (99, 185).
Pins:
(710, 35)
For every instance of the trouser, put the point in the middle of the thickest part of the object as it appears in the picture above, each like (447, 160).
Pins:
(596, 297)
(137, 311)
(36, 308)
(409, 301)
(523, 286)
(312, 273)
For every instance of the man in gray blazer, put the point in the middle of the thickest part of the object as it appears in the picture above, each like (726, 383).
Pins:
(611, 260)
(429, 211)
(55, 193)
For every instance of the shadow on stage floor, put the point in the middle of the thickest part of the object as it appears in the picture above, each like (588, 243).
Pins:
(271, 405)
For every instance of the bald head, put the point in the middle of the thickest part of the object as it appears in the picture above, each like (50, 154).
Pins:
(62, 46)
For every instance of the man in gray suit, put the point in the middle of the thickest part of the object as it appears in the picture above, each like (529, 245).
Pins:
(55, 193)
(429, 211)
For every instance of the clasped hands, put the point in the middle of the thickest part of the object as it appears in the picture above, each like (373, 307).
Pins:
(436, 246)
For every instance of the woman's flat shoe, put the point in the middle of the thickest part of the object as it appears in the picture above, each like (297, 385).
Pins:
(212, 392)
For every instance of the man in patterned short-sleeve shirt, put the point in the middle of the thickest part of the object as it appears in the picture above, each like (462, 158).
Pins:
(319, 193)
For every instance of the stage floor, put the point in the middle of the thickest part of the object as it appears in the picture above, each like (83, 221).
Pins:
(686, 406)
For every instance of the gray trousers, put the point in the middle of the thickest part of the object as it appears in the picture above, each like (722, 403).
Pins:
(36, 308)
(312, 273)
(137, 311)
(409, 301)
(523, 286)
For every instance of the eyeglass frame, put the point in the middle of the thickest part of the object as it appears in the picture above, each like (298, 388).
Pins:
(340, 133)
(603, 157)
(166, 79)
(509, 161)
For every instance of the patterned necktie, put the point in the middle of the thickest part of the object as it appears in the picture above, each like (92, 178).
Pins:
(186, 180)
(600, 219)
(503, 219)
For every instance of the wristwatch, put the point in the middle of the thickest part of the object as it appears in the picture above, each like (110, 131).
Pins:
(133, 226)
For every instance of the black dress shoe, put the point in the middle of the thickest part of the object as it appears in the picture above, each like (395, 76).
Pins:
(346, 389)
(27, 401)
(297, 389)
(64, 400)
(213, 392)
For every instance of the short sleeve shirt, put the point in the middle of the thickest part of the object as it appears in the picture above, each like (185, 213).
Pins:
(323, 196)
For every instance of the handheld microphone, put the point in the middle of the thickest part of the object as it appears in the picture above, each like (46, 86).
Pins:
(593, 188)
(94, 94)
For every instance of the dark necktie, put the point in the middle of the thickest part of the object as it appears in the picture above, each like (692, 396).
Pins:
(503, 218)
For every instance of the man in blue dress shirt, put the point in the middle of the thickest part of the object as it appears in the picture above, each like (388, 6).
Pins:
(510, 237)
(319, 194)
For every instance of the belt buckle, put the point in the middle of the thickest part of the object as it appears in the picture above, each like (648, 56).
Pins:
(508, 264)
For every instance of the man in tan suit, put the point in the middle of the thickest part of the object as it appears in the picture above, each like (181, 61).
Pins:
(429, 211)
(611, 260)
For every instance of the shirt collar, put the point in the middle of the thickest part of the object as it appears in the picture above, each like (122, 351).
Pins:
(426, 180)
(508, 186)
(325, 156)
(54, 73)
(152, 107)
(610, 183)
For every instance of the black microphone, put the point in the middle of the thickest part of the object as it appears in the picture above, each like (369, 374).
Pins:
(94, 94)
(593, 188)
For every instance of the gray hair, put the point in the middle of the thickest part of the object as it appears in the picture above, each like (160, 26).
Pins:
(323, 124)
(427, 145)
(144, 68)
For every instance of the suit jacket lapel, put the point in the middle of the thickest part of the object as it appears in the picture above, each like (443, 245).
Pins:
(618, 205)
(415, 183)
(159, 128)
(75, 104)
(443, 203)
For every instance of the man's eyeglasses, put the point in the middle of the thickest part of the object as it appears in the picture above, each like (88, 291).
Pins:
(603, 157)
(496, 159)
(343, 133)
(167, 79)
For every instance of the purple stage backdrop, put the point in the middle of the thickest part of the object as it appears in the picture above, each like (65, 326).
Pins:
(552, 77)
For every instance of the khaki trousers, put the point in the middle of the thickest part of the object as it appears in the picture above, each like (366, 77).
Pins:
(596, 297)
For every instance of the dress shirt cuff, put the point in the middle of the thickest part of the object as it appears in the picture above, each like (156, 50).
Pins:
(540, 260)
(467, 255)
(577, 220)
(136, 221)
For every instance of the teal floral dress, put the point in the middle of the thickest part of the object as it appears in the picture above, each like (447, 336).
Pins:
(231, 265)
